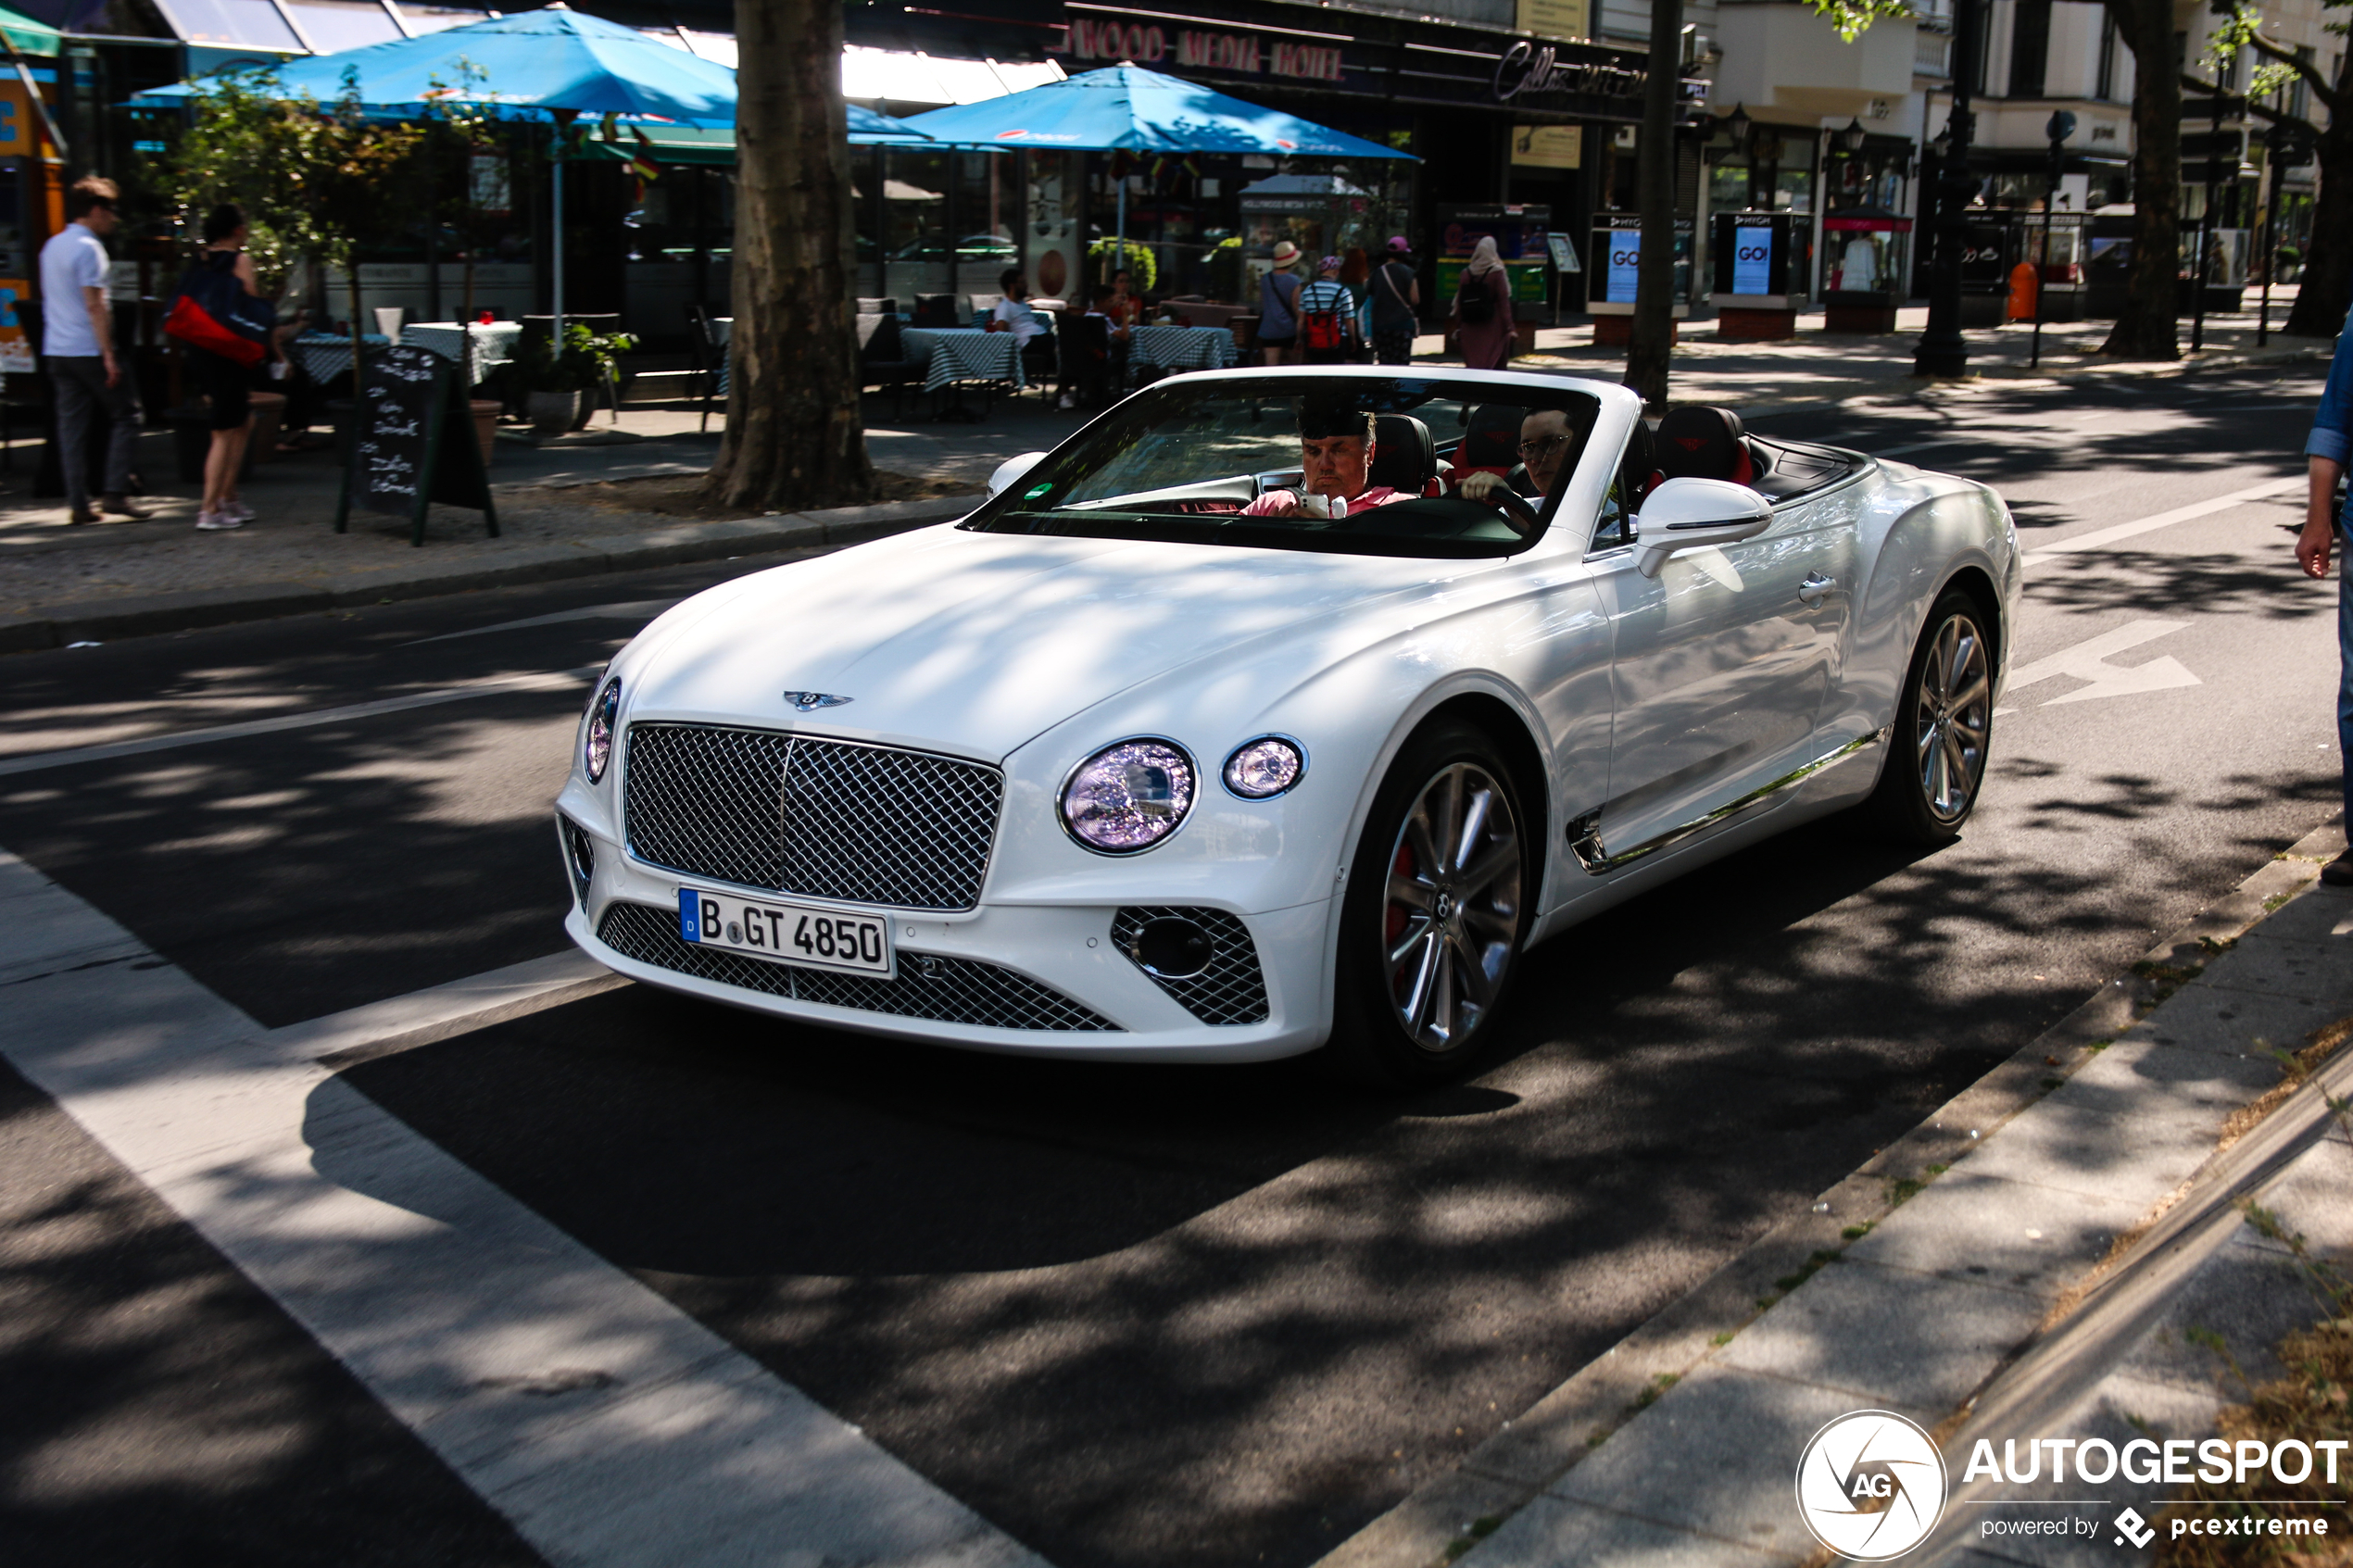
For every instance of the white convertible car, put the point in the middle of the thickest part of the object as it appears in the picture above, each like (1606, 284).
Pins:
(1281, 708)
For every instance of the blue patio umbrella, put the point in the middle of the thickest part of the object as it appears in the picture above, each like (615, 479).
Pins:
(869, 129)
(1127, 109)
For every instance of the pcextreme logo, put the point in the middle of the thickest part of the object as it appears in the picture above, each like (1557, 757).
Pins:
(1871, 1485)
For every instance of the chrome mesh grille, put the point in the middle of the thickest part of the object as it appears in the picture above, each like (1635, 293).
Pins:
(1231, 990)
(943, 989)
(865, 824)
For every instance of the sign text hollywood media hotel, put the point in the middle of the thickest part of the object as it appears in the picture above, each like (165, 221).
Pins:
(1111, 42)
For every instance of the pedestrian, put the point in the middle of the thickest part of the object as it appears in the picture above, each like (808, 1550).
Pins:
(1483, 314)
(1397, 299)
(225, 385)
(1278, 306)
(2326, 451)
(1327, 317)
(76, 336)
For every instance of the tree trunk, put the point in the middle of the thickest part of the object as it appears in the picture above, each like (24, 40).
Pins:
(794, 436)
(1650, 343)
(2325, 289)
(2145, 327)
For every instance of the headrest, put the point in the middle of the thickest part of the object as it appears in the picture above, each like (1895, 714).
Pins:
(1492, 440)
(1403, 456)
(1702, 442)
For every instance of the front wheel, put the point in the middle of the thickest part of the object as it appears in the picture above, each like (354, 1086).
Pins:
(1436, 911)
(1943, 729)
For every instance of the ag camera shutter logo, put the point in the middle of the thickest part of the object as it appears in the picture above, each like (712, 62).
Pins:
(1871, 1485)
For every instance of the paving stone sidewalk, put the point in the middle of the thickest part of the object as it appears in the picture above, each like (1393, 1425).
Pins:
(1970, 1277)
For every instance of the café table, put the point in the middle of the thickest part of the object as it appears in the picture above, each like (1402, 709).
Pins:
(1181, 348)
(325, 355)
(486, 345)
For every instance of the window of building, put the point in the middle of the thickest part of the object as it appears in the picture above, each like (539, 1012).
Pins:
(2299, 91)
(2105, 86)
(2029, 47)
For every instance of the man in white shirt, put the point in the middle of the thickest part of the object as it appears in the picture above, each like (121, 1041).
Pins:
(77, 337)
(1013, 313)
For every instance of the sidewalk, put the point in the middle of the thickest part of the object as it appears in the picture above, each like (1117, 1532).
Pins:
(2038, 1259)
(591, 503)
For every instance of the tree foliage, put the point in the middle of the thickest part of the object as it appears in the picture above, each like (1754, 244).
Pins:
(2327, 291)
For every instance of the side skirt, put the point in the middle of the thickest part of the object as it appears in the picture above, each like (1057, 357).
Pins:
(1585, 839)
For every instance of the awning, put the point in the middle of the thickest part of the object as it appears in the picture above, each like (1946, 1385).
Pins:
(29, 37)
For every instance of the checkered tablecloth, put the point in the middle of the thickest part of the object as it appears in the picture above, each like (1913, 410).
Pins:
(1181, 348)
(324, 356)
(963, 354)
(485, 346)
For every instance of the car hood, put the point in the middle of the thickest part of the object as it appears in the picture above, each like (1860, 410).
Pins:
(973, 642)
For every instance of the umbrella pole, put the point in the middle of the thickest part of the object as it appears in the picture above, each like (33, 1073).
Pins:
(559, 311)
(1119, 251)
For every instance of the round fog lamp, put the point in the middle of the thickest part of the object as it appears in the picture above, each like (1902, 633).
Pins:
(1262, 769)
(596, 747)
(1128, 796)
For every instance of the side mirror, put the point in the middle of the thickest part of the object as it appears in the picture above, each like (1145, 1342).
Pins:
(1684, 514)
(1012, 469)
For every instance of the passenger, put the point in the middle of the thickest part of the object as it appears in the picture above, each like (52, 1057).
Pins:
(1336, 460)
(1544, 442)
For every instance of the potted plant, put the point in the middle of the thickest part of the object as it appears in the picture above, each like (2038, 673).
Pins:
(554, 380)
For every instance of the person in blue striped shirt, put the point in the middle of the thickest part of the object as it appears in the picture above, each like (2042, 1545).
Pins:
(1327, 317)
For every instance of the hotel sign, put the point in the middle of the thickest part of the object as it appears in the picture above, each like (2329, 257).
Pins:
(1530, 72)
(1150, 44)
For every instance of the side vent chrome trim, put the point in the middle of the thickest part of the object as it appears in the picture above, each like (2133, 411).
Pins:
(1585, 839)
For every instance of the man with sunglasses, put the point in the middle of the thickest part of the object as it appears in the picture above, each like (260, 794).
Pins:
(1545, 440)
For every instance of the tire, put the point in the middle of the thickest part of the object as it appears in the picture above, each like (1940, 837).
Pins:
(1430, 937)
(1943, 729)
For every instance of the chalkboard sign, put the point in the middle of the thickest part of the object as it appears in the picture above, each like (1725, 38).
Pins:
(412, 443)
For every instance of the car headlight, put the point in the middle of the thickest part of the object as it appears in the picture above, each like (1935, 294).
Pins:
(596, 747)
(1262, 769)
(1128, 796)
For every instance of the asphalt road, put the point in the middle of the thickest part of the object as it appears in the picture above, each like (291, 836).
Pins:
(1133, 1316)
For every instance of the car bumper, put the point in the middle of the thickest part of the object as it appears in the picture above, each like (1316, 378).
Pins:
(1037, 979)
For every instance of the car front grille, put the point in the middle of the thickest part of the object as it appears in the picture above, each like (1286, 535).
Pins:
(1231, 990)
(945, 990)
(865, 824)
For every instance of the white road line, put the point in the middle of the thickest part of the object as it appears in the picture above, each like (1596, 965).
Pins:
(611, 1429)
(2087, 661)
(635, 609)
(2100, 537)
(553, 681)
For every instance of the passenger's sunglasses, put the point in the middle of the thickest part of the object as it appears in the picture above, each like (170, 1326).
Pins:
(1542, 444)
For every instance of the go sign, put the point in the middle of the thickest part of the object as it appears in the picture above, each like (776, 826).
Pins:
(1625, 265)
(1752, 260)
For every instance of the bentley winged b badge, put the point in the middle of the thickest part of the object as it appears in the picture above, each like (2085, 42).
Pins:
(809, 702)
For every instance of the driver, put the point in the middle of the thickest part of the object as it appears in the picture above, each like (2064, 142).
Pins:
(1545, 441)
(1336, 460)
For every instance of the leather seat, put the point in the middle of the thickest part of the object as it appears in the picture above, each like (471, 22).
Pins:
(1695, 442)
(1405, 458)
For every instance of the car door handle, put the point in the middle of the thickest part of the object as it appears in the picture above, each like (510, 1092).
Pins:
(1815, 587)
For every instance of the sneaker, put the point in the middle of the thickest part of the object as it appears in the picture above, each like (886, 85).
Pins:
(238, 509)
(216, 522)
(83, 514)
(123, 505)
(2339, 871)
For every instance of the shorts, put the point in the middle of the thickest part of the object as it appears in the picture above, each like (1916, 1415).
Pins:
(226, 384)
(1265, 342)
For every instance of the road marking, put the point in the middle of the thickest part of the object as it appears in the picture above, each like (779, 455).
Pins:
(553, 681)
(608, 1427)
(2087, 661)
(2100, 536)
(635, 609)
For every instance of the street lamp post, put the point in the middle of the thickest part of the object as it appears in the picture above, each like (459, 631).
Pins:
(1941, 351)
(2060, 126)
(2283, 146)
(2205, 221)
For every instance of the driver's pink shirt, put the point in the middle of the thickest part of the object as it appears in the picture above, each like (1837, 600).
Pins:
(1374, 496)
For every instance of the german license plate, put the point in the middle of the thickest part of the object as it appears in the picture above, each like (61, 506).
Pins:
(793, 934)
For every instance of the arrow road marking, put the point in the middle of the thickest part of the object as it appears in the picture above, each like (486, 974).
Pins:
(2088, 662)
(2100, 536)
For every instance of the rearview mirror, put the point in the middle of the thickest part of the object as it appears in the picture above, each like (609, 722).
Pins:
(1684, 514)
(1012, 469)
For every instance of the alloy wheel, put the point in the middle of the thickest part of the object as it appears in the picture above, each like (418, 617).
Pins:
(1452, 917)
(1952, 719)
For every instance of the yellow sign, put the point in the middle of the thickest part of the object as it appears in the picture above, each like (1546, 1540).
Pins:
(1554, 18)
(1548, 146)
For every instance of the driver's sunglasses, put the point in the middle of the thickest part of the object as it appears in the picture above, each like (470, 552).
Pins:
(1542, 444)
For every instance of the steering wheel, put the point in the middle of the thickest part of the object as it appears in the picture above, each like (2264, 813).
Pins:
(1515, 507)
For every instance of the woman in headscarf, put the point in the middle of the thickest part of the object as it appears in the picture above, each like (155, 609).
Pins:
(1483, 313)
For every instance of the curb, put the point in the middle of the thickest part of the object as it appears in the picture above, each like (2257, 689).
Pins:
(1534, 1449)
(150, 614)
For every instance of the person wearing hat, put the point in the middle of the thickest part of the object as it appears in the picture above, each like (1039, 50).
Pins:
(1396, 303)
(1327, 317)
(1278, 306)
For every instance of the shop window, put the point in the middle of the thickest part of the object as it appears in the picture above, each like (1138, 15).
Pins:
(335, 25)
(914, 226)
(989, 193)
(2105, 87)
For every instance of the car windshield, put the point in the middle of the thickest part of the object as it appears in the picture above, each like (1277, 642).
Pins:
(1358, 465)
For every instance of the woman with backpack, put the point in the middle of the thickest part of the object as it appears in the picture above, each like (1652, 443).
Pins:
(1483, 314)
(1327, 317)
(226, 384)
(1278, 306)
